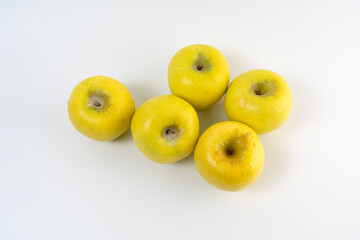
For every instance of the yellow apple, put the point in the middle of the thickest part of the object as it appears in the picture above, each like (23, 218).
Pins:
(229, 155)
(199, 74)
(101, 108)
(165, 128)
(259, 98)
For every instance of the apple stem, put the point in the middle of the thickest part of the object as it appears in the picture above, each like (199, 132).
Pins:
(230, 151)
(200, 67)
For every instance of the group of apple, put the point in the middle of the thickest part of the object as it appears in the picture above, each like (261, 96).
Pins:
(229, 155)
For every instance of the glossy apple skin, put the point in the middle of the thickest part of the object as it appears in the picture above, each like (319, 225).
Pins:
(157, 114)
(263, 113)
(204, 88)
(109, 122)
(229, 171)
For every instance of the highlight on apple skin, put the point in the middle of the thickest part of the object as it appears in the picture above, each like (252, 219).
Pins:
(101, 108)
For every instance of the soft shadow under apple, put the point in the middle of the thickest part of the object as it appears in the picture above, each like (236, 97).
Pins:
(212, 115)
(207, 118)
(125, 137)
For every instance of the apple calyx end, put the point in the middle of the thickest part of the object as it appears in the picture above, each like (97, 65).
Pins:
(171, 133)
(97, 101)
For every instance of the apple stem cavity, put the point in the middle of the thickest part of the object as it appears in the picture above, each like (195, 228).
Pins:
(262, 89)
(201, 63)
(258, 92)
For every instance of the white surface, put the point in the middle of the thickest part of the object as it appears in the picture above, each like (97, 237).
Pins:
(58, 184)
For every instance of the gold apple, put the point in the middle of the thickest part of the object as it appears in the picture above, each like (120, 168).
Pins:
(199, 74)
(101, 108)
(259, 98)
(165, 128)
(229, 155)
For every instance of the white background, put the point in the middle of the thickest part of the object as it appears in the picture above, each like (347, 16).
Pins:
(57, 184)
